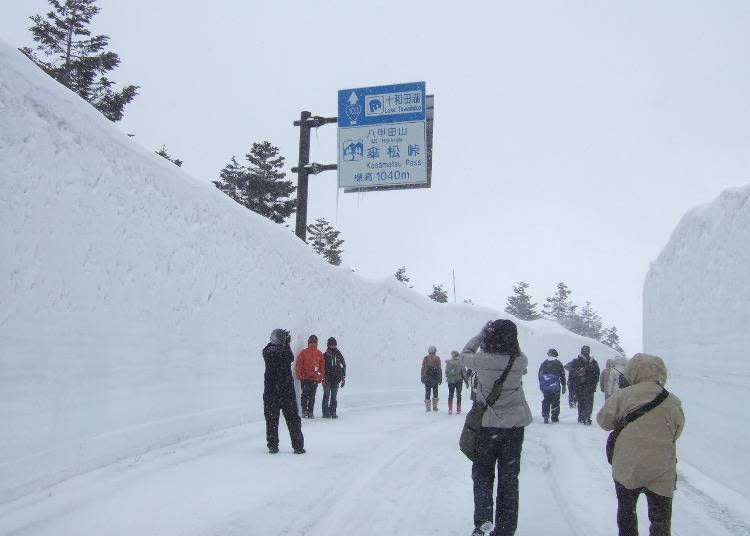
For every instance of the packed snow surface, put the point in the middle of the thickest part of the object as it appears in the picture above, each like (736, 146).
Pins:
(697, 315)
(134, 302)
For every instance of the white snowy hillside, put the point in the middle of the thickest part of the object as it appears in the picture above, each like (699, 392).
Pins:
(697, 315)
(135, 300)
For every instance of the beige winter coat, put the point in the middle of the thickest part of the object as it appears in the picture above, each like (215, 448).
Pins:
(645, 453)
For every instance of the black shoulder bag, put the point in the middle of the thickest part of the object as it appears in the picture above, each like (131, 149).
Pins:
(630, 417)
(469, 440)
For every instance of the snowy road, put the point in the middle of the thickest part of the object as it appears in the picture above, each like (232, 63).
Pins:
(387, 469)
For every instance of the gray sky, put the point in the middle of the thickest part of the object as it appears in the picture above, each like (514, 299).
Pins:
(570, 137)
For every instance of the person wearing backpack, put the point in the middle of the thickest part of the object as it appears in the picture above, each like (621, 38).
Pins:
(335, 377)
(310, 371)
(551, 382)
(585, 371)
(455, 375)
(644, 459)
(432, 376)
(495, 356)
(572, 402)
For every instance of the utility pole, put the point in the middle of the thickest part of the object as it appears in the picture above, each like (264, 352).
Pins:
(304, 168)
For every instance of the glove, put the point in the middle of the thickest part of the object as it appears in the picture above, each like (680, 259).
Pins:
(563, 389)
(343, 381)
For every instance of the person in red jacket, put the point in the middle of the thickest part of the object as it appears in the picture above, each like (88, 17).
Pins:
(310, 370)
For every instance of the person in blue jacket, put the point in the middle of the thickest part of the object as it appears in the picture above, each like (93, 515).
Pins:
(551, 383)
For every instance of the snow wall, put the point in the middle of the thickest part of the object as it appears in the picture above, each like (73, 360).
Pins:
(696, 314)
(135, 300)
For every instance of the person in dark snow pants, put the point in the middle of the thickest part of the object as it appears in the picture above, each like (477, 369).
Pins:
(335, 377)
(502, 432)
(455, 375)
(432, 376)
(572, 402)
(278, 393)
(585, 371)
(551, 382)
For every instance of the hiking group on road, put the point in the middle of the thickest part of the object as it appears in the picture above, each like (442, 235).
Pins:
(644, 419)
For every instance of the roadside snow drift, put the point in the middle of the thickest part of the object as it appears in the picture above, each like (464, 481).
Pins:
(135, 300)
(696, 314)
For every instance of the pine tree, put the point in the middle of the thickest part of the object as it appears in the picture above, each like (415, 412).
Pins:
(611, 338)
(559, 307)
(76, 59)
(325, 240)
(401, 275)
(591, 322)
(520, 305)
(439, 294)
(164, 154)
(260, 186)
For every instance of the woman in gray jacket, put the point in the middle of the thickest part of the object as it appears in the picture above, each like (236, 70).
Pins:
(501, 437)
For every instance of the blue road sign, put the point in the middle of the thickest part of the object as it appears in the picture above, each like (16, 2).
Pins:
(396, 103)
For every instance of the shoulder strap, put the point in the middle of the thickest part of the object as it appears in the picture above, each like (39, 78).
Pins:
(497, 388)
(639, 412)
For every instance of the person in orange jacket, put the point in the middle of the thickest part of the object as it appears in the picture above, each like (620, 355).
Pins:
(310, 370)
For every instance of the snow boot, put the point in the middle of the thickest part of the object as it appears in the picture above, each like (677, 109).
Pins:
(450, 407)
(546, 420)
(483, 529)
(427, 405)
(299, 451)
(434, 404)
(273, 450)
(458, 407)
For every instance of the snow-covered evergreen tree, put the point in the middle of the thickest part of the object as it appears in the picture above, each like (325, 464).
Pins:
(559, 306)
(611, 338)
(401, 275)
(325, 240)
(520, 304)
(260, 186)
(590, 322)
(439, 294)
(70, 55)
(164, 154)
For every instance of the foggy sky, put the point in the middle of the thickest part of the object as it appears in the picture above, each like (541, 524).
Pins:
(570, 137)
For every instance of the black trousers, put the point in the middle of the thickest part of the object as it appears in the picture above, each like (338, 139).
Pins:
(455, 387)
(309, 388)
(275, 402)
(659, 511)
(427, 392)
(551, 402)
(585, 399)
(329, 399)
(498, 448)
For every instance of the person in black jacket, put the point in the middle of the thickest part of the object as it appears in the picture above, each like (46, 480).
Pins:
(551, 381)
(585, 373)
(335, 376)
(572, 402)
(278, 393)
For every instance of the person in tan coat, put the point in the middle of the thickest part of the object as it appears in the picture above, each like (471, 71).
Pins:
(645, 456)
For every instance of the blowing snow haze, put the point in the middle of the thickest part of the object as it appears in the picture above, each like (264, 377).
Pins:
(135, 297)
(577, 134)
